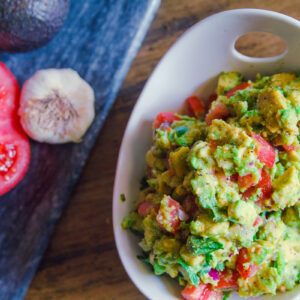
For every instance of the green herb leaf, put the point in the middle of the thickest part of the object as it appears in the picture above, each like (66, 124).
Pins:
(193, 277)
(158, 269)
(186, 118)
(197, 246)
(208, 258)
(181, 130)
(226, 295)
(122, 198)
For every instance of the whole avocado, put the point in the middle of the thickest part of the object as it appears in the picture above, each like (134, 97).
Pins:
(26, 25)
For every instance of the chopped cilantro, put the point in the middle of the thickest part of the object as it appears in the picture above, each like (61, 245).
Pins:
(122, 198)
(197, 246)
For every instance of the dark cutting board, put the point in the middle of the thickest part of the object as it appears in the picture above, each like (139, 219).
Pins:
(99, 40)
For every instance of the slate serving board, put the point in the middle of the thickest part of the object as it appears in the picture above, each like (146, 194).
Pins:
(99, 40)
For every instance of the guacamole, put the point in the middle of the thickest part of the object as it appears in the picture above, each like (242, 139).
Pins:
(218, 208)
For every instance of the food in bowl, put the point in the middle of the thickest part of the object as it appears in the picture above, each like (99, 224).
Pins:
(219, 207)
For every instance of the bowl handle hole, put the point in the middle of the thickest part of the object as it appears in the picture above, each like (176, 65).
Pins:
(260, 45)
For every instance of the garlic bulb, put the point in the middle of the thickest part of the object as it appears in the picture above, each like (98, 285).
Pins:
(56, 106)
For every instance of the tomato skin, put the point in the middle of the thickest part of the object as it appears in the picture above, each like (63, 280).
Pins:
(244, 258)
(228, 279)
(195, 106)
(202, 292)
(265, 152)
(241, 86)
(164, 117)
(170, 215)
(218, 111)
(9, 94)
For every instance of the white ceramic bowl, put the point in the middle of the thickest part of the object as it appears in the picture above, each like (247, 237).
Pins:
(201, 53)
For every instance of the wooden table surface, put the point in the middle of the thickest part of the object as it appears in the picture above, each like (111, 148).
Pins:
(81, 262)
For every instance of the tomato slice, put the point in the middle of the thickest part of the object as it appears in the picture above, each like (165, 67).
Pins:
(218, 111)
(265, 152)
(170, 215)
(14, 156)
(9, 94)
(241, 86)
(14, 144)
(228, 279)
(244, 258)
(164, 117)
(195, 106)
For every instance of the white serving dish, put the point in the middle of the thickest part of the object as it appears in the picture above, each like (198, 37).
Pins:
(200, 54)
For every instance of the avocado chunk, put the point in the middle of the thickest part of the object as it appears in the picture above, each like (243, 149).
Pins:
(29, 24)
(286, 189)
(270, 102)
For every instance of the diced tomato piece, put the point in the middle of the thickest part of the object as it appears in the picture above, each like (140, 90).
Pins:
(214, 295)
(218, 111)
(265, 184)
(244, 258)
(234, 177)
(265, 152)
(14, 156)
(202, 292)
(195, 106)
(190, 206)
(241, 86)
(228, 279)
(164, 117)
(246, 181)
(290, 148)
(170, 215)
(257, 221)
(144, 208)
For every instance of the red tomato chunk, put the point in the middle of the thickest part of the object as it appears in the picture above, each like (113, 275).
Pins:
(241, 86)
(170, 215)
(164, 117)
(265, 152)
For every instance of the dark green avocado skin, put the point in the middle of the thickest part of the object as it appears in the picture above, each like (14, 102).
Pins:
(26, 25)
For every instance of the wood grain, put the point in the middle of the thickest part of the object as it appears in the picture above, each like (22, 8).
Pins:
(81, 262)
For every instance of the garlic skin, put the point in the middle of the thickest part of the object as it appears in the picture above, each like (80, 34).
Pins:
(56, 106)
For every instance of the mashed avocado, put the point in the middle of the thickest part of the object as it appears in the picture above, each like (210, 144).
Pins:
(219, 207)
